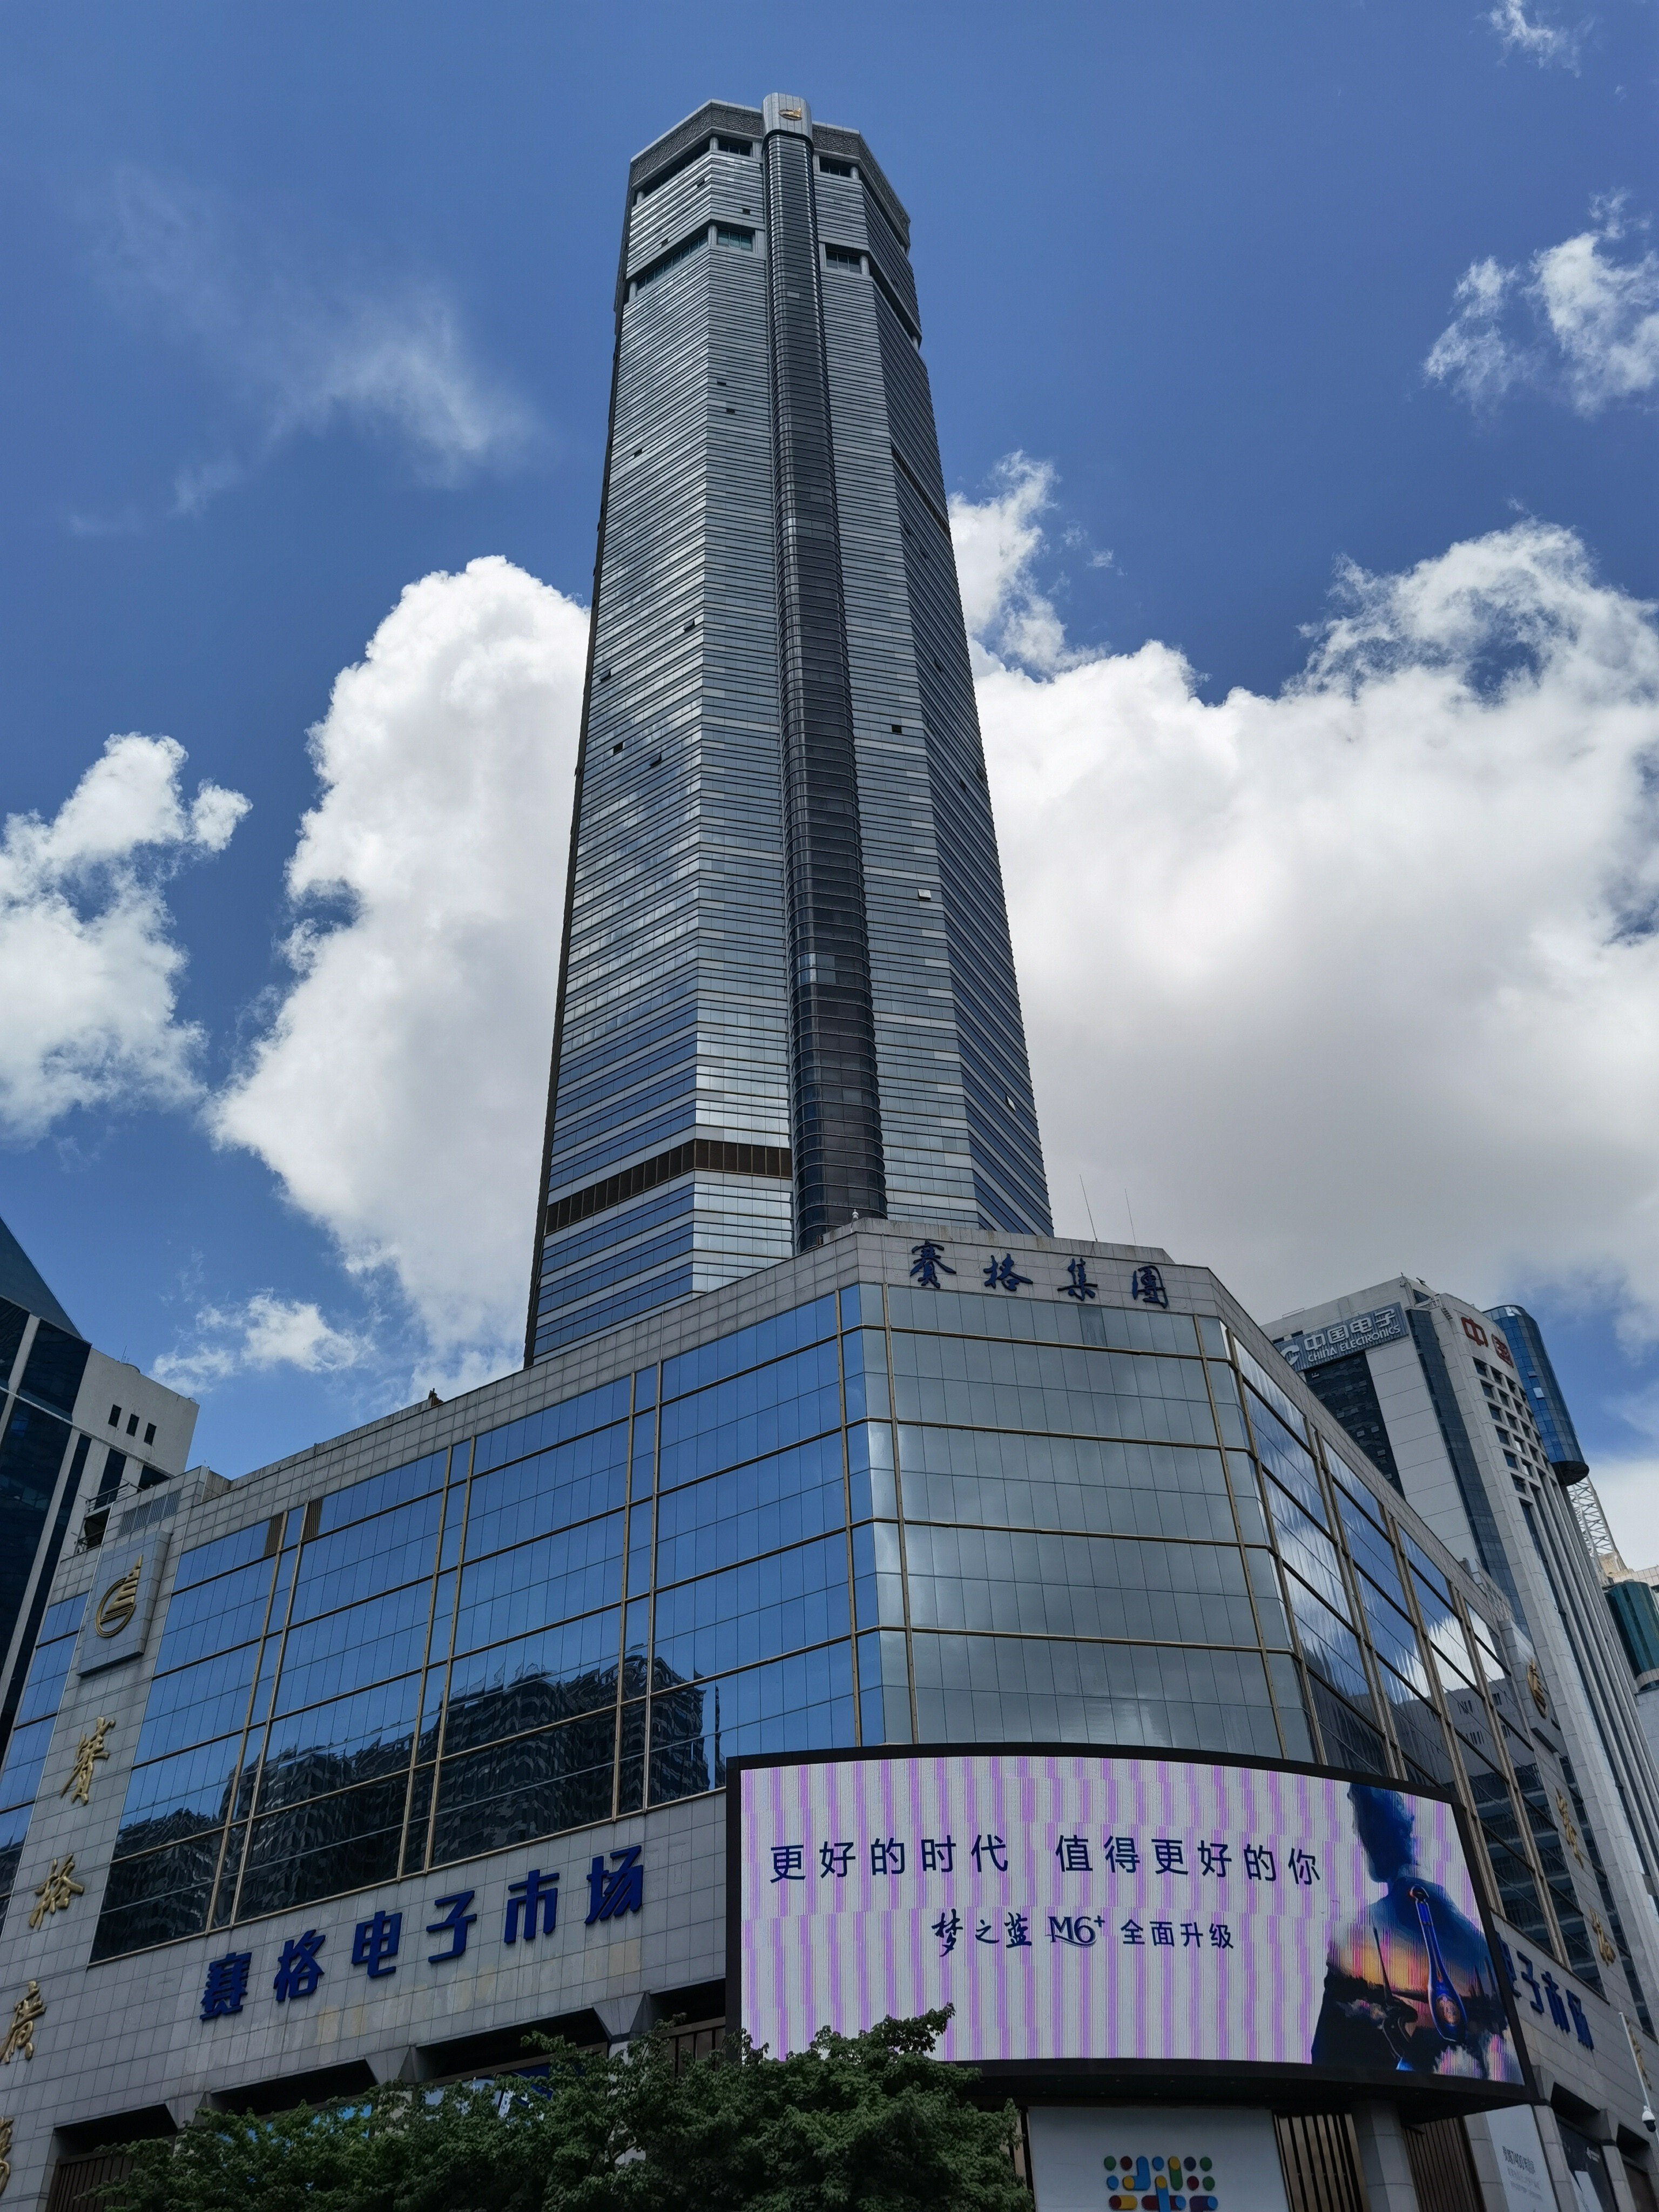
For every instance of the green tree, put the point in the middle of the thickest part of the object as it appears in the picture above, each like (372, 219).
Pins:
(869, 2123)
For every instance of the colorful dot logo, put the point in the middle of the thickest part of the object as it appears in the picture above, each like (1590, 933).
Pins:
(1143, 2182)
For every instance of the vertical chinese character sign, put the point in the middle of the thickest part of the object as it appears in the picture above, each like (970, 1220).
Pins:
(1071, 1905)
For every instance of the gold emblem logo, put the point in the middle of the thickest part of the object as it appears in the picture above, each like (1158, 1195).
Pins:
(120, 1602)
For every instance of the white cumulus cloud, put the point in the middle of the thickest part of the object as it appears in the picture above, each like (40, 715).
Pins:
(300, 346)
(265, 1333)
(399, 1089)
(1363, 975)
(1549, 44)
(89, 970)
(1576, 321)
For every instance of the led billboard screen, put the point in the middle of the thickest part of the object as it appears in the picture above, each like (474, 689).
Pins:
(1078, 1906)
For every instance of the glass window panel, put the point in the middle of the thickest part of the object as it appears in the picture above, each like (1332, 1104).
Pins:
(761, 1412)
(323, 1847)
(1269, 1599)
(556, 1424)
(395, 1488)
(1328, 1645)
(1369, 1542)
(48, 1672)
(1350, 1741)
(971, 1313)
(785, 1498)
(1007, 1480)
(366, 1557)
(214, 1616)
(156, 1899)
(1034, 1690)
(332, 1747)
(197, 1703)
(552, 1579)
(344, 1652)
(1308, 1549)
(753, 1612)
(1451, 1648)
(1057, 1388)
(534, 1497)
(1393, 1636)
(1426, 1570)
(802, 1703)
(750, 1347)
(171, 1798)
(994, 1579)
(26, 1754)
(1416, 1724)
(550, 1676)
(238, 1549)
(1290, 1461)
(1267, 1386)
(536, 1785)
(62, 1618)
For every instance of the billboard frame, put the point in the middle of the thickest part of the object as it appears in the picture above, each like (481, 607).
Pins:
(1299, 2087)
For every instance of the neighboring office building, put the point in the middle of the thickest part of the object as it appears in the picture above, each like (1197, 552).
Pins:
(74, 1427)
(1629, 1591)
(787, 995)
(415, 1741)
(1430, 1387)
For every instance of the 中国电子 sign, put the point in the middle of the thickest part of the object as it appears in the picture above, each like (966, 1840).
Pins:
(1072, 1906)
(1339, 1339)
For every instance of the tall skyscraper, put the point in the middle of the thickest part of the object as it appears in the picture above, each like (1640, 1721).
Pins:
(786, 996)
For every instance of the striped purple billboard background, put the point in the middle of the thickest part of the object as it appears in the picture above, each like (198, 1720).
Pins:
(823, 1948)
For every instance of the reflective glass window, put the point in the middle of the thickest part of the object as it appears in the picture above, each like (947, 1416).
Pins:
(333, 1747)
(1328, 1645)
(801, 1703)
(395, 1488)
(178, 1796)
(1288, 1459)
(214, 1616)
(1029, 1689)
(785, 1498)
(534, 1785)
(323, 1846)
(556, 1424)
(740, 1418)
(196, 1703)
(238, 1549)
(985, 1578)
(551, 1490)
(1004, 1480)
(365, 1557)
(554, 1578)
(753, 1612)
(750, 1347)
(366, 1643)
(1268, 1387)
(553, 1675)
(1308, 1549)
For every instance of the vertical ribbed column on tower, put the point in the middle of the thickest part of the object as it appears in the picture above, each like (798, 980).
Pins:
(834, 1109)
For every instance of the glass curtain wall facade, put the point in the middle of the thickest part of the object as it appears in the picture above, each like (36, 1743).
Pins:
(787, 992)
(885, 1515)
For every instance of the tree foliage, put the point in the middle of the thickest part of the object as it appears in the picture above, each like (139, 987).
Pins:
(869, 2123)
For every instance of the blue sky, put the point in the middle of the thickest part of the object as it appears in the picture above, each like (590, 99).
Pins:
(312, 303)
